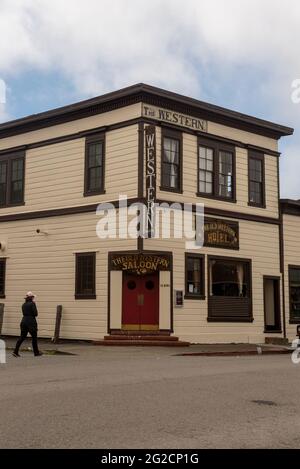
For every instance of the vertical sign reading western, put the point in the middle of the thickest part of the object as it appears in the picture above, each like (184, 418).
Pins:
(150, 179)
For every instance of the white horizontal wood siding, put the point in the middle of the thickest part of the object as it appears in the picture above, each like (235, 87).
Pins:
(45, 264)
(258, 242)
(80, 125)
(54, 174)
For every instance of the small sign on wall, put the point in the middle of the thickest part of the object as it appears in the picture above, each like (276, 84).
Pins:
(221, 234)
(178, 298)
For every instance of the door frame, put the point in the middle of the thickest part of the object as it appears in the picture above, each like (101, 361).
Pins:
(168, 254)
(277, 303)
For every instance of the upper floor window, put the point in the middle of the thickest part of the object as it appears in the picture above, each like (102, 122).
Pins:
(94, 165)
(12, 179)
(216, 170)
(225, 174)
(256, 179)
(171, 164)
(2, 277)
(206, 170)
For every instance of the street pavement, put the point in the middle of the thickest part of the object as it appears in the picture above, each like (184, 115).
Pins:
(130, 397)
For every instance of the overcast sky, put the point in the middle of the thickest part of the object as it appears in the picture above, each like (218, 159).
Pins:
(241, 54)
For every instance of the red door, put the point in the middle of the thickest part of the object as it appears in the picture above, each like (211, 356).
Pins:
(140, 309)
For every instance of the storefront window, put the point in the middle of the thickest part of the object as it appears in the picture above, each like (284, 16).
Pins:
(230, 297)
(194, 265)
(229, 278)
(294, 279)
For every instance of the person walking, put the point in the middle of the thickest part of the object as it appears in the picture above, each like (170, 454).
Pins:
(28, 325)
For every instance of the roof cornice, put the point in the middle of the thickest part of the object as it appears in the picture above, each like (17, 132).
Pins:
(149, 95)
(290, 207)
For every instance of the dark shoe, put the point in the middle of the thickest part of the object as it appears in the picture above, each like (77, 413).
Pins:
(38, 354)
(16, 354)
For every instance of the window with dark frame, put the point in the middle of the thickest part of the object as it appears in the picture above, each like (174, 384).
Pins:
(2, 277)
(12, 170)
(194, 276)
(94, 165)
(216, 170)
(206, 170)
(229, 278)
(256, 179)
(229, 289)
(225, 174)
(294, 286)
(85, 284)
(171, 161)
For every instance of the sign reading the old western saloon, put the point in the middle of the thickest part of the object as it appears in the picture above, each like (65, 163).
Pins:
(140, 263)
(221, 234)
(176, 118)
(150, 179)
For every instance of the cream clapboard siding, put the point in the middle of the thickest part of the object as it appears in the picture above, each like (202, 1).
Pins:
(291, 233)
(60, 130)
(259, 242)
(45, 264)
(54, 174)
(242, 136)
(190, 155)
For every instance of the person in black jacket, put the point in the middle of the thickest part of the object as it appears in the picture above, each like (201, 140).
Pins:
(28, 324)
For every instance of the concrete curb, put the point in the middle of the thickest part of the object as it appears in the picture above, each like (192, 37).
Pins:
(235, 353)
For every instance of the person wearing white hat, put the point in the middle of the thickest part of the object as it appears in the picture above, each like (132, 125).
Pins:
(28, 325)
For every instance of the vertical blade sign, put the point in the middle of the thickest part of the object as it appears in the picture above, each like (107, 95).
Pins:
(150, 179)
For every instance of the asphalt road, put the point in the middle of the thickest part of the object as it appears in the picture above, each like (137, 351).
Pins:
(149, 398)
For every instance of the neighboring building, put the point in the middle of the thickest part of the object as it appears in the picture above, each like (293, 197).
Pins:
(291, 259)
(56, 167)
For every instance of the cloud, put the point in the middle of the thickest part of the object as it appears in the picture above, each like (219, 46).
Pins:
(104, 44)
(242, 54)
(4, 116)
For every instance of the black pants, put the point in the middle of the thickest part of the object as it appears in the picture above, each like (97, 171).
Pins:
(25, 329)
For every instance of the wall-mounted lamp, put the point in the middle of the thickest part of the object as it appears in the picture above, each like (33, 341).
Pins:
(38, 231)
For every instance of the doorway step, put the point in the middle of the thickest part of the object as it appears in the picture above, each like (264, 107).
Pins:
(141, 338)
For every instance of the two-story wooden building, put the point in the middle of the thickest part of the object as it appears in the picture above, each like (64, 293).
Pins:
(152, 146)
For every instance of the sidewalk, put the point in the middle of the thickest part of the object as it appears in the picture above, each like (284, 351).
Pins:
(215, 350)
(48, 347)
(208, 350)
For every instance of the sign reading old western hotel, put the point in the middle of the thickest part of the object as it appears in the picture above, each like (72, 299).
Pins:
(155, 146)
